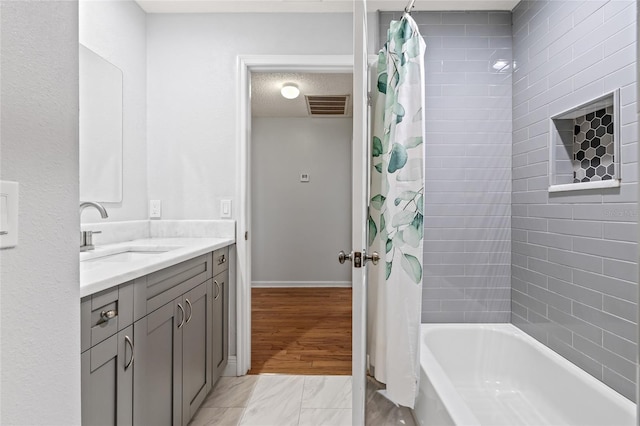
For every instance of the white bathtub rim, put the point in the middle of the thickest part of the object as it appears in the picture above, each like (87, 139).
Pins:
(457, 409)
(448, 398)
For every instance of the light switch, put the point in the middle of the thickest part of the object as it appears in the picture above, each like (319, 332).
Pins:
(155, 209)
(8, 214)
(4, 219)
(225, 209)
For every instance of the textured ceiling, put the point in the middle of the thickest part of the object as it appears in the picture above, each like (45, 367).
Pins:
(313, 6)
(266, 100)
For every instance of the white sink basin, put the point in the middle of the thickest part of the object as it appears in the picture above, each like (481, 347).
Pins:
(125, 254)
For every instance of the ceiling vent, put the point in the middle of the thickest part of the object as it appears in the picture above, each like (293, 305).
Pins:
(327, 105)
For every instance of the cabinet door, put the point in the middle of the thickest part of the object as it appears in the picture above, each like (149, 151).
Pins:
(157, 377)
(107, 381)
(220, 324)
(196, 350)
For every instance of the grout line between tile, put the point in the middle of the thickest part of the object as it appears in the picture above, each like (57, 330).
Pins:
(304, 382)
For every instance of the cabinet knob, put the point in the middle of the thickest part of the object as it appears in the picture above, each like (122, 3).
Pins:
(222, 259)
(107, 315)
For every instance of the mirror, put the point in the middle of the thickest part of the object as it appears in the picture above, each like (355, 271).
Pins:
(100, 128)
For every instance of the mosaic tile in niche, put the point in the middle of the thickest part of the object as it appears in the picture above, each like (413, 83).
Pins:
(593, 146)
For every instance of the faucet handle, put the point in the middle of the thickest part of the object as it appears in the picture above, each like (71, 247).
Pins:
(86, 240)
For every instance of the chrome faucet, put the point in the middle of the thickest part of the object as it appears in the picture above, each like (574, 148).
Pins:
(86, 237)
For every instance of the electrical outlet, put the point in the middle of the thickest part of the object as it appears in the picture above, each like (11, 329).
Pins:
(304, 177)
(225, 209)
(155, 209)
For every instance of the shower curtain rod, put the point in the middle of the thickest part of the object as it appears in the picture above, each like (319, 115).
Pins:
(409, 7)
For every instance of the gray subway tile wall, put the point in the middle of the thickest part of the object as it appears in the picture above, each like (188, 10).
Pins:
(498, 247)
(467, 243)
(574, 274)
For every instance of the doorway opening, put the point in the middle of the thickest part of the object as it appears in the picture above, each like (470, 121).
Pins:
(249, 72)
(300, 152)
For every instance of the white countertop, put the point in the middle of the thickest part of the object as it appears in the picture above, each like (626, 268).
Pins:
(99, 271)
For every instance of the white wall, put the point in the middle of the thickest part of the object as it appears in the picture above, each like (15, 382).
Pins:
(298, 228)
(192, 63)
(39, 299)
(116, 30)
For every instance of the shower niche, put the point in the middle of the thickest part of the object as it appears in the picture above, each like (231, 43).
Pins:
(584, 146)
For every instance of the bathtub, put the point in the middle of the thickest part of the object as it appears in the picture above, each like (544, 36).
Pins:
(495, 374)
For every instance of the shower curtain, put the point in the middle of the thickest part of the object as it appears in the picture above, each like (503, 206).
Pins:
(396, 213)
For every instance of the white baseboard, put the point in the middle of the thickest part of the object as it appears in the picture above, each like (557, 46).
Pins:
(300, 284)
(231, 368)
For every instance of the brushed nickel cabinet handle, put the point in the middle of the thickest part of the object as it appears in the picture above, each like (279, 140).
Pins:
(217, 290)
(190, 310)
(222, 259)
(183, 315)
(127, 340)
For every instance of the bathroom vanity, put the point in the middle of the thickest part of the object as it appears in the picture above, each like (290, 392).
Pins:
(155, 329)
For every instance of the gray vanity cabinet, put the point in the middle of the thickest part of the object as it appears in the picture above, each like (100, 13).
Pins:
(107, 381)
(196, 352)
(148, 345)
(220, 324)
(220, 312)
(157, 376)
(107, 357)
(173, 360)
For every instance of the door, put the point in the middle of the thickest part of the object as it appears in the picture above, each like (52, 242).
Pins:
(196, 350)
(360, 184)
(107, 381)
(157, 377)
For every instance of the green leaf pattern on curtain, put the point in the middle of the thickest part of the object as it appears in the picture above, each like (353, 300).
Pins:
(397, 182)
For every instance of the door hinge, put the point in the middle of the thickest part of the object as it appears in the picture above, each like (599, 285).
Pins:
(357, 259)
(246, 235)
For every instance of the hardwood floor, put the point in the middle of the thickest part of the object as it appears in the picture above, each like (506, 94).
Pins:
(301, 331)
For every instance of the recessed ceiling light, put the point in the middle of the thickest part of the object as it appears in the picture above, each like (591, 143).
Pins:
(290, 91)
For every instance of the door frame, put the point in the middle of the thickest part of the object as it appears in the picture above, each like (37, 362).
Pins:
(246, 64)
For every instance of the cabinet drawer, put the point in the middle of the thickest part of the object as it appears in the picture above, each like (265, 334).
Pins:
(159, 288)
(105, 313)
(220, 260)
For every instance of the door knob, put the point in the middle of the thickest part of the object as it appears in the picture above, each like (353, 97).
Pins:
(374, 257)
(342, 256)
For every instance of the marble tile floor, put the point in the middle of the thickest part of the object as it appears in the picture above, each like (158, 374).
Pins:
(280, 400)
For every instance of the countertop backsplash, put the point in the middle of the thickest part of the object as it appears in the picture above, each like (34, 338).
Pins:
(192, 228)
(117, 232)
